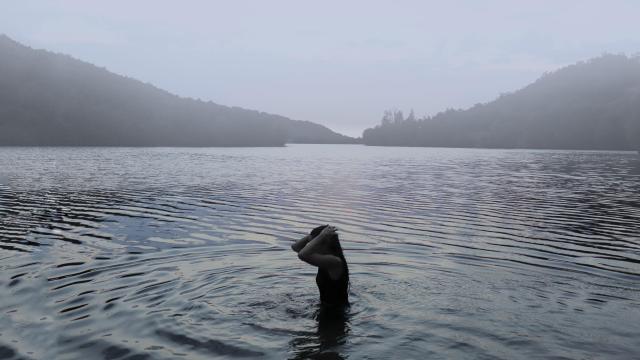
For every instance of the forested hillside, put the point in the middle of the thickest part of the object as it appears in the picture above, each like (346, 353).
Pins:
(54, 99)
(589, 105)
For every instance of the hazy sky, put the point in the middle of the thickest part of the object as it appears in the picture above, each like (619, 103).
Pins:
(338, 63)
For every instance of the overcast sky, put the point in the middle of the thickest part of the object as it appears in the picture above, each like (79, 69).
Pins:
(337, 63)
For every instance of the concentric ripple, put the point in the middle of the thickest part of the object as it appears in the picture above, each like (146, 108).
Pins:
(119, 253)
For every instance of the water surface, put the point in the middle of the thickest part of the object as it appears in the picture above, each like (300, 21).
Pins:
(163, 253)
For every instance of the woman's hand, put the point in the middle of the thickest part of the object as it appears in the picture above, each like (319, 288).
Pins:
(329, 230)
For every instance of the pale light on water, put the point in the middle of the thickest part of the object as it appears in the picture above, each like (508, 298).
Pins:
(125, 253)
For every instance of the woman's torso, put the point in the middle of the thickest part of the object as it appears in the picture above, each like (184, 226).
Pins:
(333, 292)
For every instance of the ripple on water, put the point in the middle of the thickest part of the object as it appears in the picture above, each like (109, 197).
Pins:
(166, 253)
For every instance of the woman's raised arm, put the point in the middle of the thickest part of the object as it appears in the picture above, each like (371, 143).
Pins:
(300, 244)
(312, 254)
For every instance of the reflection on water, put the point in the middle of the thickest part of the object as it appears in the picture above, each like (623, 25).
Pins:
(325, 342)
(184, 253)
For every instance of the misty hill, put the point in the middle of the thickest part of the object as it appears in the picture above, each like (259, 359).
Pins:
(589, 105)
(54, 99)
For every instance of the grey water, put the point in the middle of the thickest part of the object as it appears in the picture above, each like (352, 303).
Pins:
(167, 253)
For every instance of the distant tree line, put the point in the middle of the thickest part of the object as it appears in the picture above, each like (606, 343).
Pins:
(589, 105)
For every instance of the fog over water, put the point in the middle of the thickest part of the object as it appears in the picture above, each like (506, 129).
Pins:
(340, 64)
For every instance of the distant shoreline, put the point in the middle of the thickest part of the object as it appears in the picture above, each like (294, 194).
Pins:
(285, 145)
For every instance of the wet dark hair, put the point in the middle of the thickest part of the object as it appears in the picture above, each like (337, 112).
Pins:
(335, 247)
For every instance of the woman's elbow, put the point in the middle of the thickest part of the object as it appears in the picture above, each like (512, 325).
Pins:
(302, 256)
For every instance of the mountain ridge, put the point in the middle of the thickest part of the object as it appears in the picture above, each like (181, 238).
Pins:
(593, 104)
(54, 99)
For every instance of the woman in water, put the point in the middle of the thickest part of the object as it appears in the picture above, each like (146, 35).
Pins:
(321, 248)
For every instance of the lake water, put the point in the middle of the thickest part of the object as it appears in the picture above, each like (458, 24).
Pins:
(163, 253)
